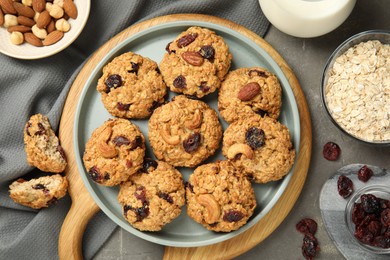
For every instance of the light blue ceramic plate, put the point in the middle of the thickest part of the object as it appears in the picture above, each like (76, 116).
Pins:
(90, 114)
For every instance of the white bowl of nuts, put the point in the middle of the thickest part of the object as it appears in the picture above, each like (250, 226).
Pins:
(34, 29)
(356, 87)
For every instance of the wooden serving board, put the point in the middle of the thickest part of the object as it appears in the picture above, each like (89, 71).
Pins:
(84, 207)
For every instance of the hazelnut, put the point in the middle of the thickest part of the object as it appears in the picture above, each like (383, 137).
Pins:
(10, 20)
(40, 33)
(56, 11)
(16, 38)
(62, 25)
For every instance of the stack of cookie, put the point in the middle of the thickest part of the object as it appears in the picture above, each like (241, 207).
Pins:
(43, 151)
(185, 132)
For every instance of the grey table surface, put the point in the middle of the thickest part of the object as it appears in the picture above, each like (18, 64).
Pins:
(307, 58)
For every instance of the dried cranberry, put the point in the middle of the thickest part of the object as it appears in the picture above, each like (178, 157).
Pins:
(207, 52)
(233, 216)
(203, 87)
(95, 174)
(113, 81)
(137, 142)
(370, 203)
(122, 107)
(154, 105)
(168, 49)
(165, 196)
(106, 176)
(385, 217)
(192, 143)
(310, 246)
(28, 125)
(307, 225)
(141, 213)
(259, 73)
(180, 82)
(39, 186)
(381, 241)
(255, 137)
(126, 208)
(374, 227)
(331, 151)
(140, 194)
(189, 186)
(120, 140)
(129, 164)
(62, 152)
(41, 130)
(193, 96)
(148, 163)
(358, 213)
(262, 113)
(364, 173)
(186, 40)
(344, 186)
(134, 68)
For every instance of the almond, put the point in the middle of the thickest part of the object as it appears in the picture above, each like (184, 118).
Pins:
(24, 10)
(32, 39)
(1, 17)
(70, 8)
(249, 91)
(23, 20)
(19, 28)
(193, 58)
(44, 19)
(38, 5)
(51, 26)
(7, 6)
(53, 37)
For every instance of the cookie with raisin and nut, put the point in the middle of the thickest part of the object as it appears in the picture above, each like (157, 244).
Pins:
(114, 152)
(131, 86)
(184, 132)
(196, 62)
(42, 146)
(40, 192)
(259, 147)
(220, 197)
(248, 91)
(153, 197)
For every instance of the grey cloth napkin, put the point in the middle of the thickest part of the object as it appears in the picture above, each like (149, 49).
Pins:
(41, 86)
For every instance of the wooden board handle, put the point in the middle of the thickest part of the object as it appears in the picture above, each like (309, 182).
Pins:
(71, 235)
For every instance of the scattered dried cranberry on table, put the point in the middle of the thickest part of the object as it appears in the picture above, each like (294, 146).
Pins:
(364, 173)
(310, 247)
(331, 151)
(344, 186)
(372, 221)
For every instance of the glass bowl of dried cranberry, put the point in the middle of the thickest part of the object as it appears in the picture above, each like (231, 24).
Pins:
(353, 87)
(367, 215)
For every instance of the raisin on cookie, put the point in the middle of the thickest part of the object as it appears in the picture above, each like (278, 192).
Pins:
(131, 86)
(249, 91)
(39, 193)
(259, 147)
(184, 132)
(114, 151)
(220, 197)
(196, 62)
(153, 197)
(42, 146)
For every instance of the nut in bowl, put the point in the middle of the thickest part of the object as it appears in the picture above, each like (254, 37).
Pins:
(367, 216)
(34, 29)
(355, 87)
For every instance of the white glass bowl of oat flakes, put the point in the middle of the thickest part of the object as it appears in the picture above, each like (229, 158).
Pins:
(355, 87)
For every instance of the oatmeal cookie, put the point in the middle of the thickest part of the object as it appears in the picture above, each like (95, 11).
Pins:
(42, 146)
(248, 91)
(131, 86)
(184, 132)
(220, 197)
(259, 147)
(196, 62)
(39, 193)
(153, 197)
(115, 151)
